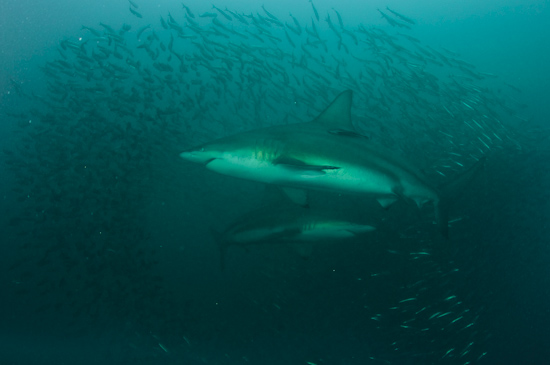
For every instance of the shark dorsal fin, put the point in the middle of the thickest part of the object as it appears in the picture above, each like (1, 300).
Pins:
(338, 113)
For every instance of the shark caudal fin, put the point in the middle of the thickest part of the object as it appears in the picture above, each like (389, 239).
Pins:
(451, 191)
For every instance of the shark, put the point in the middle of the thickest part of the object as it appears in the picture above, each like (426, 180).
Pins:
(285, 223)
(325, 154)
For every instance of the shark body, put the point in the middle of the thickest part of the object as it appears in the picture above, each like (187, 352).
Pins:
(291, 226)
(279, 223)
(324, 154)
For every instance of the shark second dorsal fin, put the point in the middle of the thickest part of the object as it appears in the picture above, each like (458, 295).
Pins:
(338, 113)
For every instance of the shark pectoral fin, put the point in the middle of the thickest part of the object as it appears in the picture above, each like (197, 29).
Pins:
(303, 249)
(386, 202)
(302, 168)
(298, 196)
(309, 173)
(311, 170)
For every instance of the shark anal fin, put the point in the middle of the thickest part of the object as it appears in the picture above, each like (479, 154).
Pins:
(301, 165)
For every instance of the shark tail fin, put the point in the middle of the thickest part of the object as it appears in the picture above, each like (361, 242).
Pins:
(452, 191)
(222, 245)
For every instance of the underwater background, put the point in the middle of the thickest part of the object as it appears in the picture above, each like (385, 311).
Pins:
(108, 252)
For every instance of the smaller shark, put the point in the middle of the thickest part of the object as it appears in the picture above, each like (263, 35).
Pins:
(288, 224)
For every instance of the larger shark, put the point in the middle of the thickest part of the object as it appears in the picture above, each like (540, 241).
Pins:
(324, 154)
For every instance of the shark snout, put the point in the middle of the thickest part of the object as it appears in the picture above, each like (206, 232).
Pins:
(197, 156)
(189, 156)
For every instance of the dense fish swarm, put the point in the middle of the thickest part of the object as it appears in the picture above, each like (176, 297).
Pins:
(122, 101)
